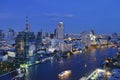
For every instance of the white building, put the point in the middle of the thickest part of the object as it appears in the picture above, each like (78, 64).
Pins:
(3, 57)
(60, 31)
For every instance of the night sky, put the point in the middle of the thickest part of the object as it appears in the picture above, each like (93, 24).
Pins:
(78, 15)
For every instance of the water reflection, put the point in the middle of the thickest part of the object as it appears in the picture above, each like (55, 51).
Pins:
(80, 64)
(64, 75)
(27, 74)
(61, 61)
(93, 51)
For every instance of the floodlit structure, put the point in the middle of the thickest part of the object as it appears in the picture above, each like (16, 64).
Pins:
(92, 37)
(60, 31)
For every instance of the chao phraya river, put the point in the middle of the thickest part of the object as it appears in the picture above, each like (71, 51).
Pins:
(80, 65)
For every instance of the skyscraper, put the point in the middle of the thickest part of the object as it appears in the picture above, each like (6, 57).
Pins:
(92, 36)
(1, 35)
(11, 34)
(39, 37)
(60, 31)
(23, 42)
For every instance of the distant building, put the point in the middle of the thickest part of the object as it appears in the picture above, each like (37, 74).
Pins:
(60, 31)
(65, 47)
(55, 33)
(103, 41)
(11, 54)
(3, 56)
(11, 36)
(1, 35)
(54, 43)
(46, 34)
(52, 36)
(39, 37)
(22, 41)
(92, 37)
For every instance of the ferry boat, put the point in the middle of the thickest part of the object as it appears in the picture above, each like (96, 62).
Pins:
(20, 73)
(97, 74)
(64, 74)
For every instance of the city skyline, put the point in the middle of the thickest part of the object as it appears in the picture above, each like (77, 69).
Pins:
(59, 39)
(102, 16)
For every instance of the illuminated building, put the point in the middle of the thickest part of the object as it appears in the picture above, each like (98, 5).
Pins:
(92, 36)
(39, 37)
(65, 47)
(93, 39)
(51, 36)
(11, 34)
(60, 31)
(1, 35)
(23, 41)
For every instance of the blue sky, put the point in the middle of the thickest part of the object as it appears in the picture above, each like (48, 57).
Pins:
(78, 15)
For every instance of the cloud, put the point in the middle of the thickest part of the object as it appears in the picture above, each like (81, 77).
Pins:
(58, 15)
(4, 15)
(9, 16)
(69, 15)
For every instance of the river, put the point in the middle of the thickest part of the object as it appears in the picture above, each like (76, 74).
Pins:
(76, 63)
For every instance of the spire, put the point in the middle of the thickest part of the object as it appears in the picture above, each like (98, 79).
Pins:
(27, 25)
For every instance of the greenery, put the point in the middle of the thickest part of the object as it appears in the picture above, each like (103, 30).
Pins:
(7, 67)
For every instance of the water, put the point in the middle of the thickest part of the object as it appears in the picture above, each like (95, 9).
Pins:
(76, 63)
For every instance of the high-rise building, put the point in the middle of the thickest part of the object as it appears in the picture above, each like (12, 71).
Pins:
(92, 36)
(23, 41)
(1, 35)
(60, 31)
(11, 34)
(51, 36)
(46, 34)
(39, 37)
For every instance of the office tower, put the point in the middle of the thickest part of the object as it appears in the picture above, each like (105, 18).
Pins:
(92, 36)
(11, 34)
(46, 34)
(55, 33)
(39, 37)
(25, 38)
(1, 35)
(51, 36)
(23, 42)
(60, 31)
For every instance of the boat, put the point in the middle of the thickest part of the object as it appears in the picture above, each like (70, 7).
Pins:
(83, 78)
(64, 74)
(20, 72)
(97, 74)
(94, 59)
(85, 65)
